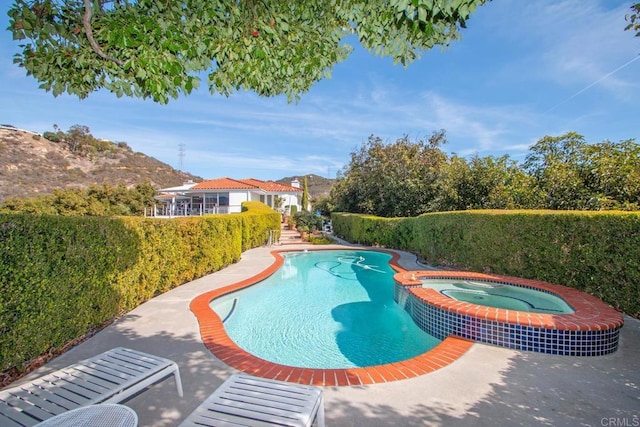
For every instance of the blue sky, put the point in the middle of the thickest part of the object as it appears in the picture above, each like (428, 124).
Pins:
(523, 70)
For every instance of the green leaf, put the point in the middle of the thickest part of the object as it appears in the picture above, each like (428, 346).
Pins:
(158, 41)
(422, 15)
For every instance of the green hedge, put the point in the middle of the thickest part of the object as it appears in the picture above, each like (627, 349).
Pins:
(173, 252)
(62, 277)
(597, 252)
(57, 280)
(257, 221)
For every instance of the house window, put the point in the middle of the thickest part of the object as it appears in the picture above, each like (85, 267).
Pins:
(267, 200)
(214, 200)
(196, 205)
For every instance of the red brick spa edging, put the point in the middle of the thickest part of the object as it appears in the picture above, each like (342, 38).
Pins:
(592, 330)
(215, 338)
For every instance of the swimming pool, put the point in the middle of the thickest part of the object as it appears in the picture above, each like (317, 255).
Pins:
(324, 310)
(592, 329)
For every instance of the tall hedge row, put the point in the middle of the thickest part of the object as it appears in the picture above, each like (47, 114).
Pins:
(56, 280)
(173, 252)
(258, 220)
(61, 277)
(597, 252)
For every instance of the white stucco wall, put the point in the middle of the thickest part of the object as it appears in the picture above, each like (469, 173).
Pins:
(236, 199)
(291, 200)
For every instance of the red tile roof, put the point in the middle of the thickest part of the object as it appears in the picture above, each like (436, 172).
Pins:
(270, 185)
(222, 184)
(243, 184)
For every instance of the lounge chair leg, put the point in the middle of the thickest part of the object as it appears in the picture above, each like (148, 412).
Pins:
(320, 414)
(176, 375)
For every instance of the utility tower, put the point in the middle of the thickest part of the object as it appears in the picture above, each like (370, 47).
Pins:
(180, 156)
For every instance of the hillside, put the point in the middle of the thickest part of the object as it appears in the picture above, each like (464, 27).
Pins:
(32, 165)
(317, 185)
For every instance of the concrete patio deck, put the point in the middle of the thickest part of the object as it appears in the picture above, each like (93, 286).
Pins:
(486, 386)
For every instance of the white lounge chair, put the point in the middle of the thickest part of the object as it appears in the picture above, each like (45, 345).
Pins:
(245, 400)
(110, 377)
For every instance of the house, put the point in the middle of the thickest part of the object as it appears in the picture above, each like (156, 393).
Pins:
(224, 195)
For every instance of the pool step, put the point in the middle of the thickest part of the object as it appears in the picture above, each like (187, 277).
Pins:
(290, 237)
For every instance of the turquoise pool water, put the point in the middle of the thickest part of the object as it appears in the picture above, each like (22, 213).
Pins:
(325, 310)
(498, 295)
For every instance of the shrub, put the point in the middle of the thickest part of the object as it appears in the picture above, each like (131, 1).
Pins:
(258, 220)
(597, 252)
(63, 277)
(307, 221)
(58, 280)
(320, 240)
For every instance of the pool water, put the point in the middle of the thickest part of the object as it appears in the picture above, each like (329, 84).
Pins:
(497, 295)
(325, 310)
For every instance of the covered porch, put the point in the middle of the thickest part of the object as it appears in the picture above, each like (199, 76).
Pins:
(176, 205)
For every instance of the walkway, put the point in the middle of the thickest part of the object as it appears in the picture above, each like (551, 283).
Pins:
(486, 386)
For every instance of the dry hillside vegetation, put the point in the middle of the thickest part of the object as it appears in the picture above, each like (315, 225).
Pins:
(316, 185)
(31, 165)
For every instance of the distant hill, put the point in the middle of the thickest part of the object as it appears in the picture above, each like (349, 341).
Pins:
(31, 165)
(316, 185)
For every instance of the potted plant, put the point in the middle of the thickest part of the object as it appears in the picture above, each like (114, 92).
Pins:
(306, 222)
(303, 230)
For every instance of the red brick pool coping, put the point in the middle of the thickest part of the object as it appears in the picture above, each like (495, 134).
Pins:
(590, 313)
(222, 346)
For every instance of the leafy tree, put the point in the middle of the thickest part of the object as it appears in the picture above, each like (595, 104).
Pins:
(560, 172)
(305, 195)
(633, 19)
(612, 175)
(141, 196)
(556, 164)
(484, 183)
(105, 200)
(72, 202)
(397, 179)
(573, 174)
(324, 205)
(78, 137)
(522, 191)
(497, 183)
(79, 140)
(35, 205)
(123, 145)
(114, 199)
(56, 136)
(278, 201)
(450, 186)
(159, 49)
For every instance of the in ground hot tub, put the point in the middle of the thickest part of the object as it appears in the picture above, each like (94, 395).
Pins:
(510, 312)
(500, 295)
